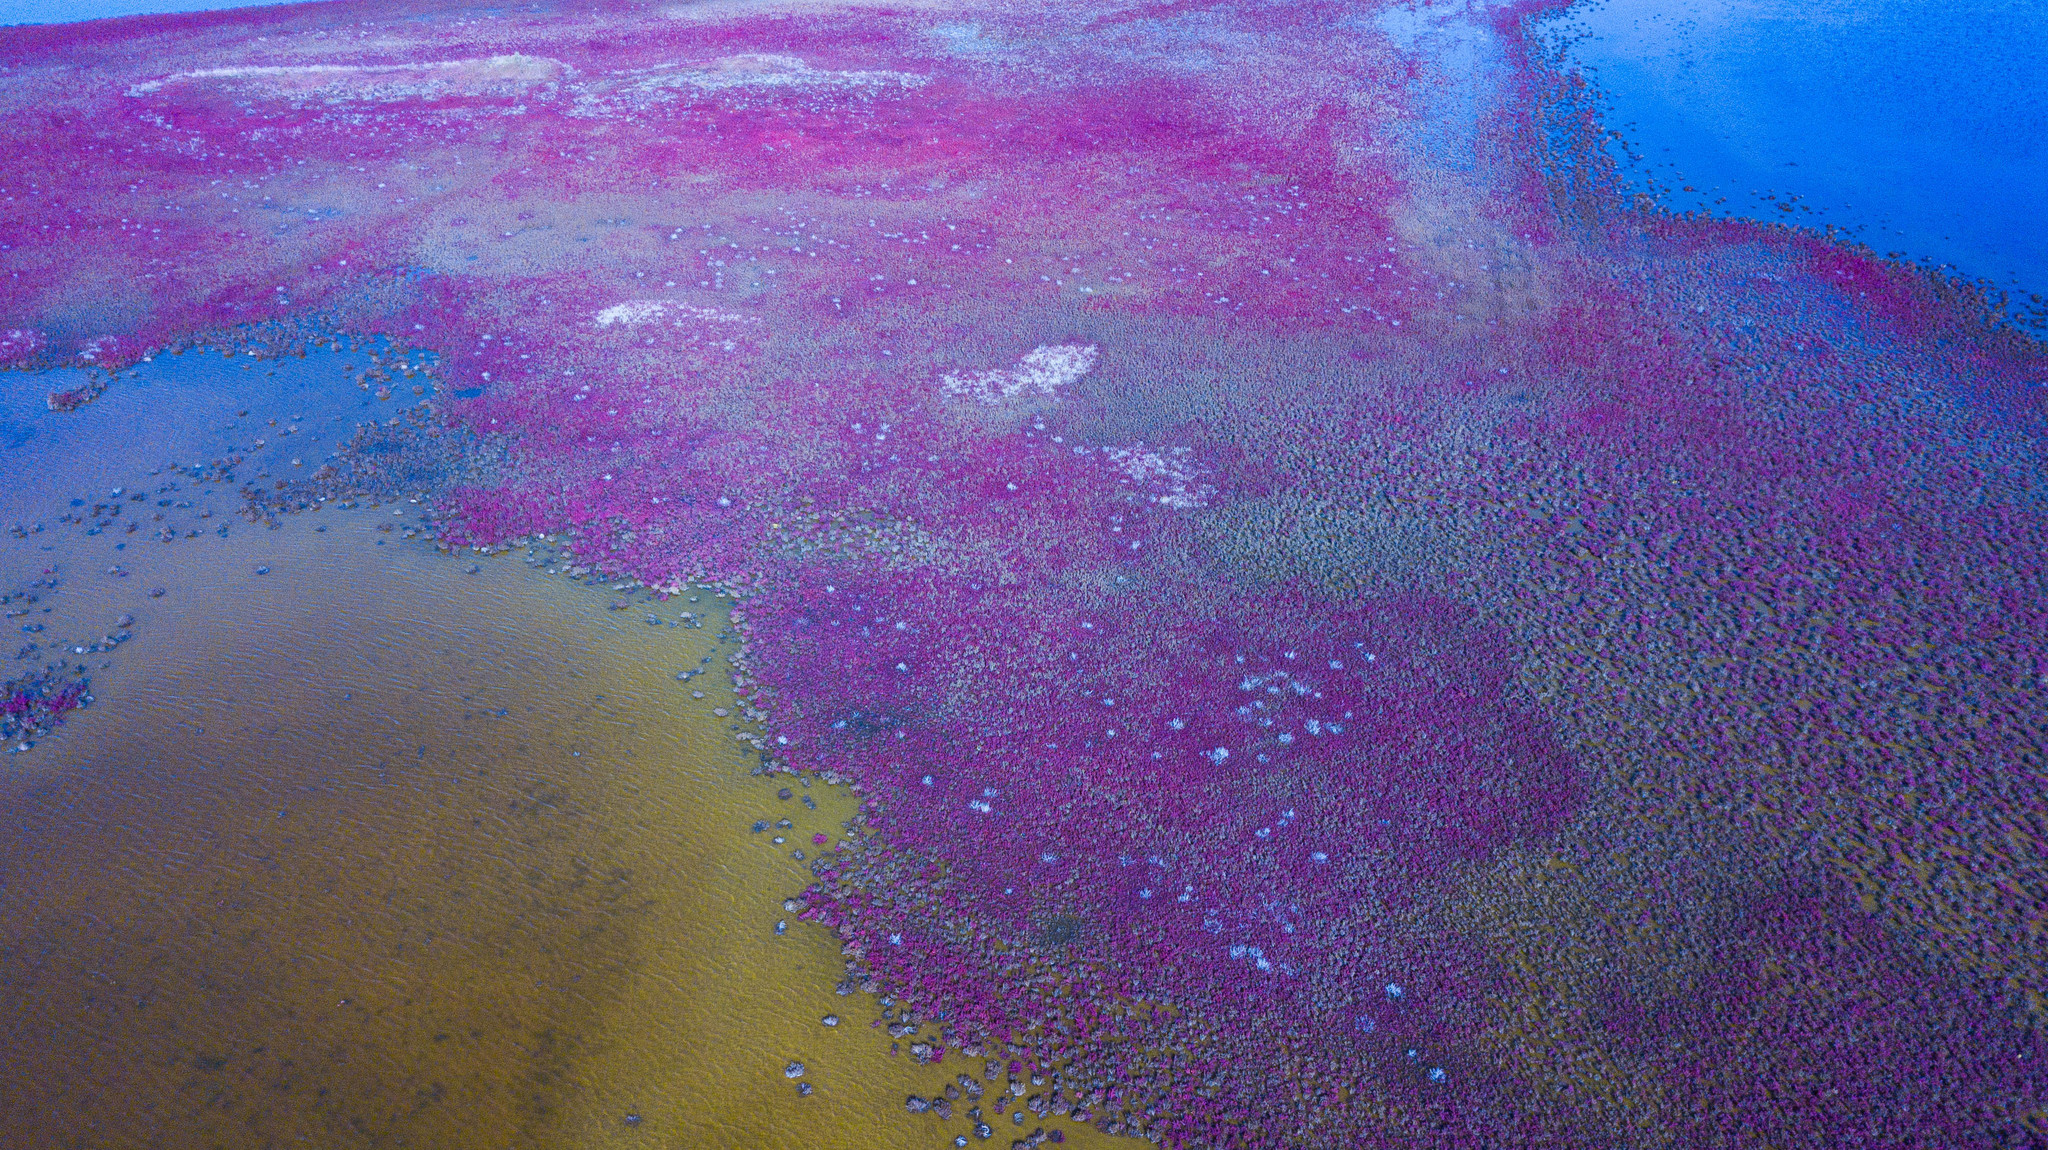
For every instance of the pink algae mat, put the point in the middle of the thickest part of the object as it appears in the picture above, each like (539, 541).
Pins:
(1349, 631)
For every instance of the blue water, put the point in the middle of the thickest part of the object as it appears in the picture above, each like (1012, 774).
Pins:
(1918, 126)
(284, 417)
(68, 11)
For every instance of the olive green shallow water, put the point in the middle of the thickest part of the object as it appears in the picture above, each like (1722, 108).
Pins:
(373, 851)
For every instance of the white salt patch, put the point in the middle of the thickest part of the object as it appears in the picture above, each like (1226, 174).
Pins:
(636, 312)
(736, 78)
(470, 76)
(17, 342)
(1171, 478)
(1038, 375)
(764, 70)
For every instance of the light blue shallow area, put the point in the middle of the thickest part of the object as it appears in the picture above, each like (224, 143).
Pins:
(68, 11)
(285, 417)
(1920, 126)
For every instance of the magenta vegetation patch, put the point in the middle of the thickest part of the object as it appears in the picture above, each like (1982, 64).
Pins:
(1350, 634)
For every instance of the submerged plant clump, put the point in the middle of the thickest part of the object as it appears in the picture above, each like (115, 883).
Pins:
(43, 685)
(1347, 632)
(32, 705)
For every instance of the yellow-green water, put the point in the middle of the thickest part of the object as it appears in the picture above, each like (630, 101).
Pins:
(370, 850)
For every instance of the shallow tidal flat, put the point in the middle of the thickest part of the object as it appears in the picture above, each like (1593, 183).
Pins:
(359, 846)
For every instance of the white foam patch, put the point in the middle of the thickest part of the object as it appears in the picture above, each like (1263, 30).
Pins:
(1038, 375)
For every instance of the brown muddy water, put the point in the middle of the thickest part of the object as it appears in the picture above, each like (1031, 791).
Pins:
(358, 847)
